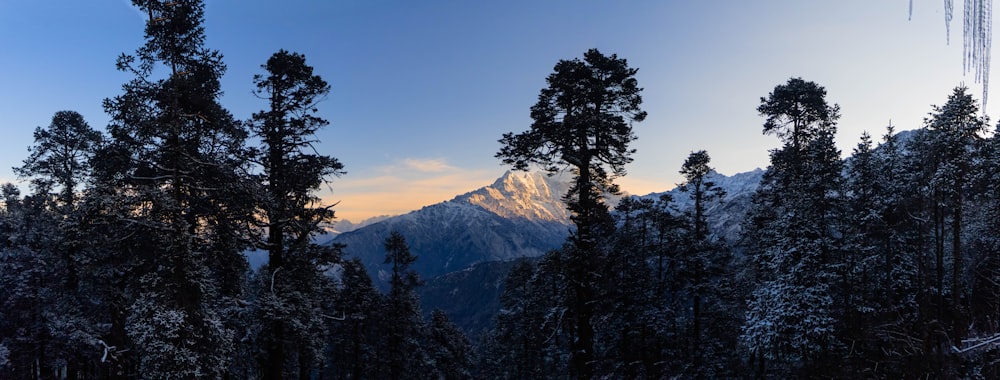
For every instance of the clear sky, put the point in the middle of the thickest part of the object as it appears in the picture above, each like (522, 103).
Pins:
(422, 90)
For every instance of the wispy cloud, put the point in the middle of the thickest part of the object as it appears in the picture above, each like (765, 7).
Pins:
(402, 186)
(421, 165)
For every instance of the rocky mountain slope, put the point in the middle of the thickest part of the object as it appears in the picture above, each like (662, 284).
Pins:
(725, 216)
(521, 214)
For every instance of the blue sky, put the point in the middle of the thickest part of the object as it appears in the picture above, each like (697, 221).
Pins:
(423, 89)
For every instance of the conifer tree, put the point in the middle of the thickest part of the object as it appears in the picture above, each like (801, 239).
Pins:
(956, 130)
(292, 172)
(356, 346)
(703, 259)
(61, 155)
(582, 120)
(402, 326)
(27, 300)
(640, 303)
(59, 161)
(529, 338)
(790, 318)
(448, 348)
(293, 214)
(701, 189)
(983, 241)
(174, 178)
(864, 272)
(939, 177)
(517, 337)
(898, 311)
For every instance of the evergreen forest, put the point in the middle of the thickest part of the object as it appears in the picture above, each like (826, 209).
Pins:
(125, 257)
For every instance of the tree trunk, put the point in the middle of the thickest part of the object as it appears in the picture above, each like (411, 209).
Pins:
(958, 324)
(274, 363)
(581, 266)
(582, 348)
(305, 364)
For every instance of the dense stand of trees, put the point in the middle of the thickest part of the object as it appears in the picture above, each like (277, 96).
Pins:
(883, 265)
(126, 259)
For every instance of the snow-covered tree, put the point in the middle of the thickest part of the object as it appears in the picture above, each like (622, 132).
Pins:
(983, 241)
(356, 345)
(640, 308)
(940, 171)
(173, 179)
(292, 214)
(448, 348)
(864, 271)
(517, 337)
(47, 242)
(955, 132)
(790, 317)
(704, 260)
(402, 324)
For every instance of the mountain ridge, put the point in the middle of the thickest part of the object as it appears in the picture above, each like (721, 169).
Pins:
(470, 296)
(520, 214)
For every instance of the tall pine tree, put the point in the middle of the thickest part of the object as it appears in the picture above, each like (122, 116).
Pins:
(704, 259)
(58, 164)
(790, 318)
(582, 120)
(402, 324)
(292, 172)
(174, 173)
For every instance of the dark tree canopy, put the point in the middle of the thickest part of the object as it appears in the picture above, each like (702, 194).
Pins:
(173, 171)
(292, 213)
(61, 155)
(583, 121)
(797, 111)
(292, 171)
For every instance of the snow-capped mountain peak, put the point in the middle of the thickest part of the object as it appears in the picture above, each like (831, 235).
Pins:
(527, 195)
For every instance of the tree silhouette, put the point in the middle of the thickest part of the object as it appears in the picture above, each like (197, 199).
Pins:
(583, 120)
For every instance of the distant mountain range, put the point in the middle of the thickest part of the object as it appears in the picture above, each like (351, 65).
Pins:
(521, 214)
(343, 225)
(465, 246)
(470, 295)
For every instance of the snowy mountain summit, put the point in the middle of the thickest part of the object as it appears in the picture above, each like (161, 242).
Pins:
(528, 195)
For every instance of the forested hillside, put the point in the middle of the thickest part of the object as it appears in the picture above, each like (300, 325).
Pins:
(125, 256)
